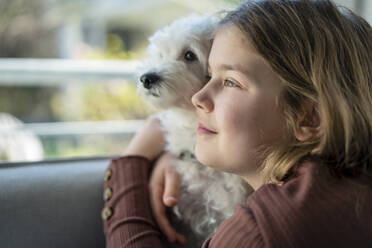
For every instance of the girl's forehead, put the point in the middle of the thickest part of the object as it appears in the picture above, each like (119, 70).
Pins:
(232, 49)
(233, 31)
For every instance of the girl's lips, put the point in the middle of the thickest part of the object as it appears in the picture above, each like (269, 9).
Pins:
(204, 130)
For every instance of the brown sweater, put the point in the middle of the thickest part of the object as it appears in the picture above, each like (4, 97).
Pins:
(312, 209)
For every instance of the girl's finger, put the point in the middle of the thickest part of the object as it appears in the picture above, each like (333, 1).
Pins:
(172, 187)
(160, 215)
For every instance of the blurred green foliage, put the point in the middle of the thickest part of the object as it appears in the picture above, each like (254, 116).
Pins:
(106, 100)
(115, 49)
(234, 1)
(84, 145)
(110, 102)
(98, 101)
(101, 101)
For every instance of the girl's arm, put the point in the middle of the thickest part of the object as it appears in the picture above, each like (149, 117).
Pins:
(127, 213)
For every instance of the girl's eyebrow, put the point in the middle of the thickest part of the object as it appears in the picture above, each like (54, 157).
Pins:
(235, 67)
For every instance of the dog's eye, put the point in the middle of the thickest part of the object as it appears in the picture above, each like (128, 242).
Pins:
(190, 56)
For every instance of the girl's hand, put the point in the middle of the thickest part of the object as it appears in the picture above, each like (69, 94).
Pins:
(149, 141)
(164, 192)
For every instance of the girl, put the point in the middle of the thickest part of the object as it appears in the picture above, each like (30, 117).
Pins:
(288, 107)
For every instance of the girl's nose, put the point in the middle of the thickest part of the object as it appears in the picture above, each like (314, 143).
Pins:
(202, 101)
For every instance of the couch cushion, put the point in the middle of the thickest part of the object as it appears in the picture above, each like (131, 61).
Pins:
(54, 203)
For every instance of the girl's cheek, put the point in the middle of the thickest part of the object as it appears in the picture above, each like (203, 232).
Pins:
(235, 120)
(234, 112)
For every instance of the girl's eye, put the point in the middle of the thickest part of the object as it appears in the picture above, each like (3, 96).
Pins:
(230, 83)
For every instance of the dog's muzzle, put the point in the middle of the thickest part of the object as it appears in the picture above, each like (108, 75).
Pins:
(187, 155)
(149, 79)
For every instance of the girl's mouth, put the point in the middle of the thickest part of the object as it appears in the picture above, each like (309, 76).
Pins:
(203, 130)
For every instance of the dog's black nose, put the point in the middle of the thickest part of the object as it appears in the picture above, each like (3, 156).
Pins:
(148, 79)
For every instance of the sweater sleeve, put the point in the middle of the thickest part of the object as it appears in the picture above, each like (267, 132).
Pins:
(240, 230)
(127, 217)
(128, 221)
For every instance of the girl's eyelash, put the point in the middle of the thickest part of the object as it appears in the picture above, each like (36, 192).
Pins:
(229, 81)
(208, 78)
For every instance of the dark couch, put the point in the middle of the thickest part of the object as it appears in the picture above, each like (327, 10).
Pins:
(54, 203)
(57, 204)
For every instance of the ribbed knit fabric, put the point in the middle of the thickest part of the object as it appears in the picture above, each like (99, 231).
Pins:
(312, 209)
(131, 224)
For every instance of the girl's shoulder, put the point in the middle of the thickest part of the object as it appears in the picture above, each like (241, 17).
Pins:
(313, 207)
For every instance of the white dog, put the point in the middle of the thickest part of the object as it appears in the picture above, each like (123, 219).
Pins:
(18, 143)
(175, 69)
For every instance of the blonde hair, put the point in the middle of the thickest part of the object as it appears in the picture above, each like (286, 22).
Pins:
(322, 54)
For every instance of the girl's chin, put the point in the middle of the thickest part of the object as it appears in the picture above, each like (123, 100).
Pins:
(208, 157)
(209, 161)
(202, 157)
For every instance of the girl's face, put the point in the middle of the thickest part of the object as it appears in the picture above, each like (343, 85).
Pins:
(239, 104)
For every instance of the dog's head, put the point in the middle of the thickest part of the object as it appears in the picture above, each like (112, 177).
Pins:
(176, 66)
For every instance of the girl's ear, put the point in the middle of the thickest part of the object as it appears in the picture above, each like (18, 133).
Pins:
(309, 124)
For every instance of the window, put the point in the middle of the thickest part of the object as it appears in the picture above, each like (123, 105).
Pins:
(68, 71)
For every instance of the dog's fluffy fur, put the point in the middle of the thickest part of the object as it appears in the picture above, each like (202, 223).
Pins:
(18, 143)
(207, 196)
